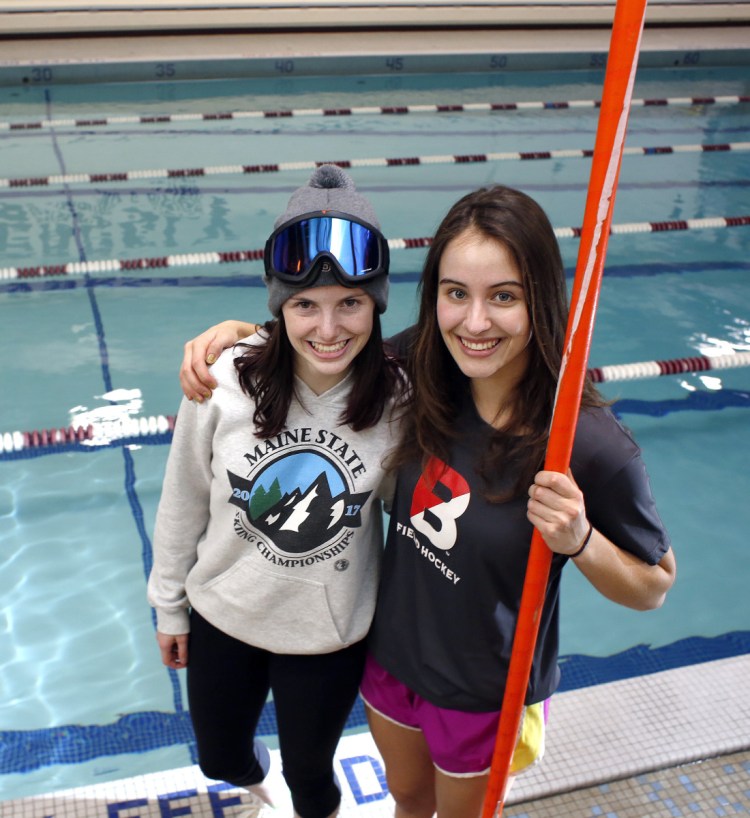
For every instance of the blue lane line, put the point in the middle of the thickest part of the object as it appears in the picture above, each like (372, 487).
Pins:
(703, 401)
(130, 478)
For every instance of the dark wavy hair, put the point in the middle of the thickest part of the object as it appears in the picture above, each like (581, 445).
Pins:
(440, 389)
(266, 374)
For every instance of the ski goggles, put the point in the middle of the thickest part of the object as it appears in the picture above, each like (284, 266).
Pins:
(358, 251)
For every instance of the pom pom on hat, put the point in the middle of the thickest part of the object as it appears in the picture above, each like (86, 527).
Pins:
(329, 188)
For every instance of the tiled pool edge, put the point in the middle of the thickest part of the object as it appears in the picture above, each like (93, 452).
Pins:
(620, 729)
(596, 734)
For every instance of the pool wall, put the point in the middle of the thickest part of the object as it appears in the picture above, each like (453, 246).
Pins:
(73, 41)
(22, 17)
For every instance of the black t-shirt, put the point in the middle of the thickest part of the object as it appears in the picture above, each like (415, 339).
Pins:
(455, 563)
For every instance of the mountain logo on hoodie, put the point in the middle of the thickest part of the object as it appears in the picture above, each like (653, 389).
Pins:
(299, 502)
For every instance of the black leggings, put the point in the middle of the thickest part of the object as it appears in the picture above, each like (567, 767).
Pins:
(228, 684)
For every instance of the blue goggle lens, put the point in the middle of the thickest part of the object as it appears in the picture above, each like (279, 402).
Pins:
(360, 251)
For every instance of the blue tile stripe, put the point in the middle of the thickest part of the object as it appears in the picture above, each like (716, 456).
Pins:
(584, 671)
(25, 750)
(22, 751)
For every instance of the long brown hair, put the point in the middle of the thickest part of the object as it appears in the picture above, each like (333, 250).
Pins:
(266, 374)
(439, 388)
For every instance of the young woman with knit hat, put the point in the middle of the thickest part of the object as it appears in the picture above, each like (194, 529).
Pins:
(268, 536)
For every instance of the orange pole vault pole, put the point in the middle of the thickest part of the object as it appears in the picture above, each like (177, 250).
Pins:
(617, 93)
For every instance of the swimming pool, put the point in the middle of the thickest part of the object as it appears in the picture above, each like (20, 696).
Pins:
(84, 695)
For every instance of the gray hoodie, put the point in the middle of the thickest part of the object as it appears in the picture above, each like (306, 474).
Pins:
(276, 542)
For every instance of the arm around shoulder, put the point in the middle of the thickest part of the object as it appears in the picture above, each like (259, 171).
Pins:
(199, 353)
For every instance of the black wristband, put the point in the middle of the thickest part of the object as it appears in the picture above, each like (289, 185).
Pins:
(583, 544)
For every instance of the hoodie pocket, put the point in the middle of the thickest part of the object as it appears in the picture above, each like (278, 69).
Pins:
(283, 614)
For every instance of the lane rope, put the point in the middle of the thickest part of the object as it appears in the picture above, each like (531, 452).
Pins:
(373, 162)
(93, 435)
(105, 433)
(363, 110)
(243, 256)
(675, 366)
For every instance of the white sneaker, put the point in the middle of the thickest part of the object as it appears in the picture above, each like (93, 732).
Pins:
(256, 808)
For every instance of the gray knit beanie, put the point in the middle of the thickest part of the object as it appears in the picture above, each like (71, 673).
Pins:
(329, 188)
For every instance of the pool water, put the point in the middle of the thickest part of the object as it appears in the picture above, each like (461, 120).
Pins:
(85, 697)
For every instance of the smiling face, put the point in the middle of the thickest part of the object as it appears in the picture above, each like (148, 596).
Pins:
(482, 313)
(327, 328)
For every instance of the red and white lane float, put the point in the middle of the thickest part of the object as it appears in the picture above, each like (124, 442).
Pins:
(100, 266)
(364, 110)
(110, 432)
(365, 162)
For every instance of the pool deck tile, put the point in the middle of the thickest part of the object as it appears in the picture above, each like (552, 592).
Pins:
(674, 743)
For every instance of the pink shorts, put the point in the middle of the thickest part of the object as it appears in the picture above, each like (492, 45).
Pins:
(460, 743)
